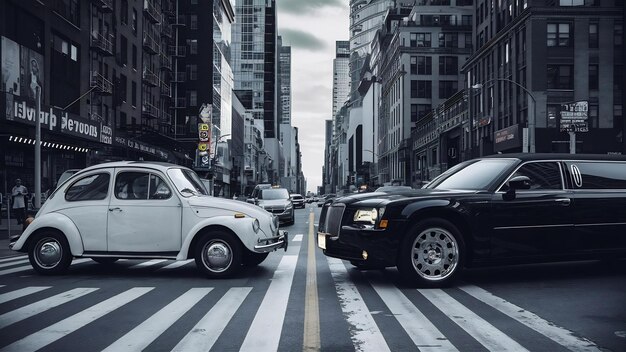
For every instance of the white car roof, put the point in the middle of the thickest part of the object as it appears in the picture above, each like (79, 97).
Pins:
(161, 166)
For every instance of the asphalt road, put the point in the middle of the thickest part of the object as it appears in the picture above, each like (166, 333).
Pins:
(300, 300)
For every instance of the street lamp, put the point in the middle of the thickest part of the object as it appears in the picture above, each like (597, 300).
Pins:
(531, 118)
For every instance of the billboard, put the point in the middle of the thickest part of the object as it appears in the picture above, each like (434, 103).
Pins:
(22, 70)
(574, 116)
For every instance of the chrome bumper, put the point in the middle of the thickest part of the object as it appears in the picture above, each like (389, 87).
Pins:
(273, 243)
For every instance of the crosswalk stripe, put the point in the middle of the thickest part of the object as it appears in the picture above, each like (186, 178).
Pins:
(14, 263)
(424, 334)
(9, 296)
(264, 332)
(366, 335)
(485, 333)
(145, 333)
(29, 267)
(204, 334)
(297, 238)
(33, 309)
(56, 331)
(559, 335)
(177, 264)
(148, 263)
(17, 257)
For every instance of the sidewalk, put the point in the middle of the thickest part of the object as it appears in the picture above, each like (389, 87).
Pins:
(4, 237)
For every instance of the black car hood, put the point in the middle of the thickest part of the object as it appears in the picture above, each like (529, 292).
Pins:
(376, 199)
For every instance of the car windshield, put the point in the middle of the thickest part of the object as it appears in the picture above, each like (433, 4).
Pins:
(472, 175)
(270, 194)
(187, 182)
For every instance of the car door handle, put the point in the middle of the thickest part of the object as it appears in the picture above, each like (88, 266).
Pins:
(563, 201)
(115, 209)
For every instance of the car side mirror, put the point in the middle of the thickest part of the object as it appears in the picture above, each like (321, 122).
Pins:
(517, 182)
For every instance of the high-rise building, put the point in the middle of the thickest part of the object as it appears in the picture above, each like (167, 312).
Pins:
(341, 74)
(284, 70)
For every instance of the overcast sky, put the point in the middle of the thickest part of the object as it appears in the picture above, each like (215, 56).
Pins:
(311, 27)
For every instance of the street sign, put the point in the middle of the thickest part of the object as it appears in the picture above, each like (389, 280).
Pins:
(574, 116)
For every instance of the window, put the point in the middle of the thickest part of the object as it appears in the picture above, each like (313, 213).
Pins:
(420, 40)
(134, 23)
(618, 34)
(468, 40)
(618, 117)
(192, 72)
(593, 77)
(448, 40)
(553, 113)
(134, 56)
(131, 185)
(423, 110)
(133, 91)
(618, 79)
(466, 20)
(560, 77)
(559, 34)
(448, 65)
(600, 175)
(123, 88)
(413, 65)
(421, 89)
(69, 9)
(423, 65)
(93, 187)
(447, 89)
(193, 46)
(593, 116)
(192, 98)
(123, 50)
(124, 12)
(193, 22)
(593, 35)
(542, 175)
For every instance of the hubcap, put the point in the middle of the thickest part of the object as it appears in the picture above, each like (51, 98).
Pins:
(217, 256)
(48, 252)
(435, 254)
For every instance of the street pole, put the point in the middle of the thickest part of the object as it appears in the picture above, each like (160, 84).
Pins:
(38, 150)
(471, 122)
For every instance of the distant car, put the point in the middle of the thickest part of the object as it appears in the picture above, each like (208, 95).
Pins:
(297, 200)
(256, 190)
(277, 202)
(325, 198)
(146, 210)
(391, 189)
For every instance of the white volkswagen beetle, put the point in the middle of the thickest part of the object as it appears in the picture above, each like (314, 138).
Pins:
(145, 210)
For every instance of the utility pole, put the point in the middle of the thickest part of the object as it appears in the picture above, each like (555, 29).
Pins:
(38, 150)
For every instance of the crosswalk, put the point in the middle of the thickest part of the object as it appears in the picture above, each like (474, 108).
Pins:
(204, 317)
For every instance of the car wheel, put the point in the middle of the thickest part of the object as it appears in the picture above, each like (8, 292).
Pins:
(105, 260)
(219, 254)
(254, 259)
(431, 254)
(49, 253)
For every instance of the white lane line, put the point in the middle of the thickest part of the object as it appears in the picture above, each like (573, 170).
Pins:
(557, 334)
(297, 238)
(265, 330)
(28, 267)
(424, 334)
(177, 264)
(14, 263)
(13, 258)
(145, 333)
(68, 325)
(148, 263)
(204, 334)
(365, 334)
(485, 333)
(33, 309)
(9, 296)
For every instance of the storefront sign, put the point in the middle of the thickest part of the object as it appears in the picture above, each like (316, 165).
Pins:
(507, 138)
(574, 116)
(140, 146)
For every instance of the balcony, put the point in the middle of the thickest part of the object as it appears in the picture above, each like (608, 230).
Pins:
(150, 78)
(150, 111)
(166, 63)
(152, 14)
(102, 44)
(149, 44)
(166, 91)
(100, 84)
(179, 77)
(168, 8)
(180, 103)
(166, 30)
(181, 21)
(104, 5)
(178, 51)
(166, 118)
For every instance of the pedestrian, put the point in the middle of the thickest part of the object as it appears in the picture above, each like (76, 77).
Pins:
(19, 193)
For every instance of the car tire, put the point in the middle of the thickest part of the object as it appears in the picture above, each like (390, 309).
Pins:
(49, 253)
(432, 254)
(105, 260)
(254, 259)
(218, 254)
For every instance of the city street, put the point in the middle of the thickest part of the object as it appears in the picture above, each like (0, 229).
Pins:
(294, 301)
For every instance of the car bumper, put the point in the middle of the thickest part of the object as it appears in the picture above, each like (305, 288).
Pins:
(286, 216)
(376, 246)
(265, 245)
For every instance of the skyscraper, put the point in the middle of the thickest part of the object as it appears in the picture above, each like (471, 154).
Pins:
(284, 71)
(341, 74)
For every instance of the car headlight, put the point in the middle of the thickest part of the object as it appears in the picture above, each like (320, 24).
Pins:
(256, 225)
(368, 217)
(289, 206)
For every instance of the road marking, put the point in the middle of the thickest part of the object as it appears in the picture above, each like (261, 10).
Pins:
(311, 340)
(68, 325)
(365, 334)
(204, 334)
(177, 264)
(424, 334)
(483, 332)
(9, 296)
(148, 263)
(145, 333)
(14, 263)
(29, 267)
(557, 334)
(297, 238)
(264, 332)
(13, 258)
(33, 309)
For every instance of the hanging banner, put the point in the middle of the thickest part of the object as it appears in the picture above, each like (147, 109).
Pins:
(574, 116)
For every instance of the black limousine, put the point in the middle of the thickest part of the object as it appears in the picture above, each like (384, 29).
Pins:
(501, 209)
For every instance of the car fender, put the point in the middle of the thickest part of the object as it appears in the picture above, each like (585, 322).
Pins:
(241, 227)
(55, 221)
(417, 206)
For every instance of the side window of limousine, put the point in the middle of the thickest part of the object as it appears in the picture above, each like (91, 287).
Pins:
(542, 175)
(598, 175)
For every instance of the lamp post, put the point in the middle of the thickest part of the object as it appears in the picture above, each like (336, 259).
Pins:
(531, 118)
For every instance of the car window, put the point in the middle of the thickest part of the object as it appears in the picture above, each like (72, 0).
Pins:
(158, 188)
(92, 187)
(479, 175)
(598, 175)
(187, 182)
(542, 175)
(131, 185)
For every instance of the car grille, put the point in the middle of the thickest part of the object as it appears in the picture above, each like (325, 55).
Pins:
(332, 218)
(275, 210)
